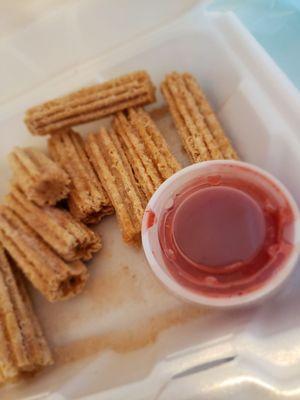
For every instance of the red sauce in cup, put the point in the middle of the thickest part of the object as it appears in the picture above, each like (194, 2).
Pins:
(223, 236)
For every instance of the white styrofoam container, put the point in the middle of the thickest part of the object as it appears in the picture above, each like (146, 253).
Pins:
(207, 355)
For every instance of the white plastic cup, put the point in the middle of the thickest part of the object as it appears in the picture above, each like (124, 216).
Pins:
(163, 198)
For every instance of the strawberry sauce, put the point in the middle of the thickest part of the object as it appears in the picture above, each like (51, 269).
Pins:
(225, 237)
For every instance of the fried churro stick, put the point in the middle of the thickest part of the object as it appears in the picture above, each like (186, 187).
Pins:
(71, 239)
(201, 134)
(87, 200)
(43, 181)
(91, 103)
(54, 278)
(23, 347)
(114, 171)
(210, 117)
(146, 149)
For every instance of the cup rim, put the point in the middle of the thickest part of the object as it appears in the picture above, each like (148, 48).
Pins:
(221, 302)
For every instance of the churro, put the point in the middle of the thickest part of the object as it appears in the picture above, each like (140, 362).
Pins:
(69, 238)
(114, 171)
(23, 347)
(91, 103)
(87, 200)
(146, 149)
(53, 277)
(201, 134)
(41, 179)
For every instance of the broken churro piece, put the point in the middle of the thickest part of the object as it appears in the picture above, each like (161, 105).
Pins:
(41, 179)
(87, 200)
(114, 171)
(91, 103)
(146, 149)
(71, 239)
(54, 278)
(23, 347)
(201, 134)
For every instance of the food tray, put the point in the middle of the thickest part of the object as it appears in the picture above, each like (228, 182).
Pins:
(126, 336)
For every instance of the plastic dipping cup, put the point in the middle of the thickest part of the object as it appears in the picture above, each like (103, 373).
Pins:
(163, 199)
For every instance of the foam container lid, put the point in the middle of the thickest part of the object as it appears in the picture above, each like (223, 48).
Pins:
(126, 337)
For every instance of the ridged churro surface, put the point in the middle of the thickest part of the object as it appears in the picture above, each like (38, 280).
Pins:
(91, 103)
(23, 347)
(111, 164)
(69, 238)
(43, 181)
(198, 127)
(53, 277)
(87, 200)
(145, 148)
